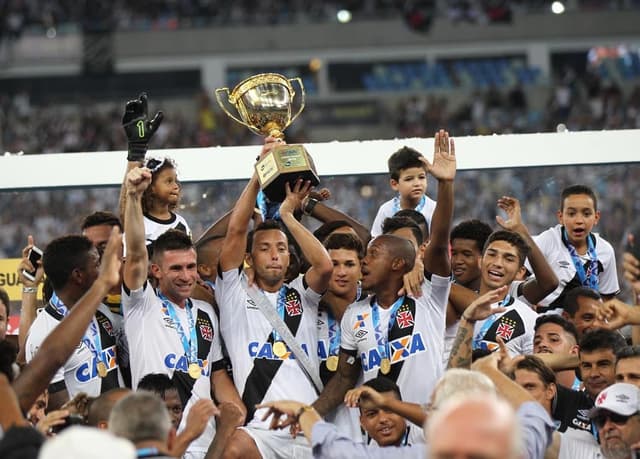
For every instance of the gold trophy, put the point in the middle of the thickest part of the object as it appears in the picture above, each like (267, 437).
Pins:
(264, 104)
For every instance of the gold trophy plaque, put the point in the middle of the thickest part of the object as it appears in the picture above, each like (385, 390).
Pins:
(263, 103)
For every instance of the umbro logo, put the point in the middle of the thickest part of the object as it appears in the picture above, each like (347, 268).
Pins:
(564, 264)
(361, 333)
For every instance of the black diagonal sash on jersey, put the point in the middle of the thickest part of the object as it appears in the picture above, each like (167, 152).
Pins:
(108, 340)
(204, 334)
(264, 370)
(402, 327)
(508, 326)
(559, 302)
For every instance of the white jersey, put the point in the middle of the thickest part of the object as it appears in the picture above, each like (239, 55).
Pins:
(515, 326)
(555, 251)
(345, 419)
(572, 447)
(80, 372)
(415, 341)
(260, 375)
(390, 208)
(198, 448)
(451, 331)
(154, 227)
(155, 345)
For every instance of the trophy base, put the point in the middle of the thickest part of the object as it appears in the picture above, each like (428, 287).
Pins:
(285, 163)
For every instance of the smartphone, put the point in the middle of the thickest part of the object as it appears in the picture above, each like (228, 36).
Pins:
(35, 254)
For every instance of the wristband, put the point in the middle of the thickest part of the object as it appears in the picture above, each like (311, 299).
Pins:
(303, 409)
(136, 152)
(29, 289)
(308, 208)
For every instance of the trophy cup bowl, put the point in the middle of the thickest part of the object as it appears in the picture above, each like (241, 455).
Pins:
(263, 103)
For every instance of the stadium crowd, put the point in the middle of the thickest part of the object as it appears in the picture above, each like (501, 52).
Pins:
(38, 16)
(427, 333)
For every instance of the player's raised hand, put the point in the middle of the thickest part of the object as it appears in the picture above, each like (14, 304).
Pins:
(138, 180)
(511, 207)
(444, 157)
(138, 128)
(295, 196)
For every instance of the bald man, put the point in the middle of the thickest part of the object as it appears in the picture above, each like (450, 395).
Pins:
(473, 427)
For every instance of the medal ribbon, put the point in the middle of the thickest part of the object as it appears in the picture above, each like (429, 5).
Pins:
(210, 284)
(382, 339)
(477, 340)
(280, 308)
(190, 346)
(92, 342)
(58, 305)
(268, 209)
(418, 208)
(334, 334)
(590, 277)
(147, 452)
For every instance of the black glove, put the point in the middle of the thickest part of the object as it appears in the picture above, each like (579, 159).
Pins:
(137, 127)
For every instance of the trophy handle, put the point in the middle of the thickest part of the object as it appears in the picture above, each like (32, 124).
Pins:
(302, 96)
(224, 108)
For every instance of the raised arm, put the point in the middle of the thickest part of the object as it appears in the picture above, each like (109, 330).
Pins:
(139, 130)
(318, 275)
(136, 267)
(29, 298)
(63, 340)
(436, 257)
(545, 280)
(235, 242)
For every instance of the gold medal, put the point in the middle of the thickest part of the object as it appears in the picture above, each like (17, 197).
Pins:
(279, 349)
(385, 366)
(102, 369)
(332, 363)
(194, 370)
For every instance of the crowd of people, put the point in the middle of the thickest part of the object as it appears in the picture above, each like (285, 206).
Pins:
(579, 103)
(410, 337)
(37, 16)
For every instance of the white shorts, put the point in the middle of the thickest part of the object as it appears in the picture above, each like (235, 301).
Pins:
(279, 444)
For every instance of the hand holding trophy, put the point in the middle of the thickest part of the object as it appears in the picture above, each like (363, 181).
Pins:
(263, 103)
